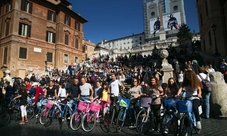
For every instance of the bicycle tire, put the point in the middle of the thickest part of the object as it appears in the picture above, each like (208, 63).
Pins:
(88, 119)
(30, 112)
(48, 118)
(4, 118)
(169, 122)
(120, 119)
(142, 127)
(185, 126)
(105, 125)
(75, 121)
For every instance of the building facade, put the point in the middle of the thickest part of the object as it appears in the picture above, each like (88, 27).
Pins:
(37, 35)
(173, 16)
(89, 49)
(212, 16)
(124, 43)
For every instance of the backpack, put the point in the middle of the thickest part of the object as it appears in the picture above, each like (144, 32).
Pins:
(207, 86)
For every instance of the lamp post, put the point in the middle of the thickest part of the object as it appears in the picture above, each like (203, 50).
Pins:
(215, 41)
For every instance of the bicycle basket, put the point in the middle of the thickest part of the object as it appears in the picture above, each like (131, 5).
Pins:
(123, 102)
(49, 104)
(145, 101)
(95, 107)
(82, 106)
(169, 102)
(184, 106)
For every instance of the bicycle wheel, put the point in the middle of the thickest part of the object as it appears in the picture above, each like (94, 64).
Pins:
(4, 118)
(143, 123)
(185, 126)
(121, 119)
(43, 119)
(30, 112)
(88, 121)
(169, 125)
(113, 118)
(75, 121)
(105, 124)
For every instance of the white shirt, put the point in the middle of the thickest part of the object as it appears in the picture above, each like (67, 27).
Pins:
(62, 92)
(85, 89)
(114, 87)
(211, 70)
(204, 76)
(180, 78)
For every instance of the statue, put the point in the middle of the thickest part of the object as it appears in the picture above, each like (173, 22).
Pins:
(7, 77)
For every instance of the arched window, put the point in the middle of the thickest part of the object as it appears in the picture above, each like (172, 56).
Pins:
(152, 14)
(175, 8)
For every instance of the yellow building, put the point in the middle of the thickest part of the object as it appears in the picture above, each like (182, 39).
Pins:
(37, 35)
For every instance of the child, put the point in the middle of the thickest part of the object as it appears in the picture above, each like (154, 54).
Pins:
(23, 102)
(104, 95)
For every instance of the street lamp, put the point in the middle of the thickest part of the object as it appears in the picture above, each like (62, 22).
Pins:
(215, 41)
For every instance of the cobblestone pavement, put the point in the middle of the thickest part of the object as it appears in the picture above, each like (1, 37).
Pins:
(211, 127)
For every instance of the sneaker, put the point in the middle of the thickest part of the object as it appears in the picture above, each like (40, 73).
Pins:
(132, 126)
(22, 122)
(26, 121)
(198, 125)
(166, 131)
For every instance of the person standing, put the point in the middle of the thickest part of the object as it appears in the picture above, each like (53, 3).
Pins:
(74, 91)
(87, 91)
(23, 102)
(205, 94)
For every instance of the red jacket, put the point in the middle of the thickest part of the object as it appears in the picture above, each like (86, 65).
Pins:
(38, 92)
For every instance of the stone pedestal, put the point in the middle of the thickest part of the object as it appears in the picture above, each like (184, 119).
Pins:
(218, 104)
(166, 67)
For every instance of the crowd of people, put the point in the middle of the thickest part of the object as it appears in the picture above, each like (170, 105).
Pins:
(106, 79)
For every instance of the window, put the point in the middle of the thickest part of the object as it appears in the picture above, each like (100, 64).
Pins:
(175, 8)
(77, 25)
(140, 38)
(66, 58)
(7, 28)
(67, 20)
(84, 48)
(23, 53)
(24, 30)
(26, 6)
(9, 6)
(66, 39)
(51, 16)
(76, 60)
(49, 56)
(91, 48)
(5, 55)
(152, 14)
(76, 44)
(50, 37)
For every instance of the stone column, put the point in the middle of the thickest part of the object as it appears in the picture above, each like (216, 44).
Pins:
(166, 67)
(162, 33)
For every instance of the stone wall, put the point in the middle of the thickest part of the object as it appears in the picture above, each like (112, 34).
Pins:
(218, 105)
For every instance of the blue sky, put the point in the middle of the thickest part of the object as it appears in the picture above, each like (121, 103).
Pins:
(111, 19)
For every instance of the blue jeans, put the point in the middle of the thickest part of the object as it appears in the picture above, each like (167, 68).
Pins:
(85, 98)
(206, 106)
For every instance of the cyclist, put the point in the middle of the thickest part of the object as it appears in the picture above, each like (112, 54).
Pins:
(87, 91)
(135, 91)
(74, 91)
(155, 91)
(115, 85)
(192, 87)
(51, 90)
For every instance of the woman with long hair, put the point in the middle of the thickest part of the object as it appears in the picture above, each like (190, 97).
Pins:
(192, 87)
(155, 91)
(172, 86)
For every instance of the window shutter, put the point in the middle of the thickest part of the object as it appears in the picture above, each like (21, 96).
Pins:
(54, 37)
(29, 31)
(47, 36)
(69, 20)
(30, 7)
(20, 27)
(23, 5)
(48, 15)
(54, 17)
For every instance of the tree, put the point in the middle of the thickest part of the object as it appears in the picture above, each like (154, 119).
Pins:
(184, 34)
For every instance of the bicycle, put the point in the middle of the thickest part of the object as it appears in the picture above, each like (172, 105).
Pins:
(124, 105)
(76, 117)
(105, 118)
(187, 121)
(169, 122)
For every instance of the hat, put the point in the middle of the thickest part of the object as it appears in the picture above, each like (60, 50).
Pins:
(35, 83)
